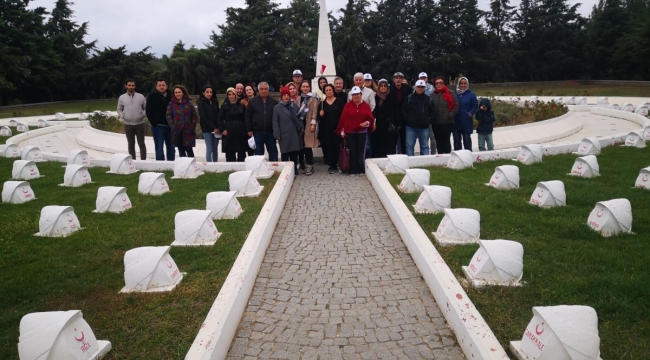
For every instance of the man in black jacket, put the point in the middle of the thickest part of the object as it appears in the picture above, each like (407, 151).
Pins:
(399, 91)
(418, 111)
(156, 111)
(259, 114)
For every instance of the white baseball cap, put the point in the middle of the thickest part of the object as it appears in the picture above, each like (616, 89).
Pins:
(297, 72)
(355, 90)
(367, 77)
(420, 83)
(423, 74)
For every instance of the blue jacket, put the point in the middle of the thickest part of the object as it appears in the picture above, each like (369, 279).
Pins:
(464, 117)
(485, 118)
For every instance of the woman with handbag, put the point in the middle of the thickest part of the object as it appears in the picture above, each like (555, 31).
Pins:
(356, 120)
(328, 120)
(287, 128)
(384, 138)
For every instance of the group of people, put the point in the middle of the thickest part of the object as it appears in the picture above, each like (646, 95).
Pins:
(373, 119)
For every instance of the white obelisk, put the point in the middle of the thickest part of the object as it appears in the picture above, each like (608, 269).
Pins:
(325, 55)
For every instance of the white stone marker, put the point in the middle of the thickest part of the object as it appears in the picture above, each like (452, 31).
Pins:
(195, 228)
(571, 101)
(558, 100)
(17, 192)
(150, 269)
(505, 177)
(78, 157)
(5, 131)
(57, 221)
(496, 262)
(414, 180)
(186, 168)
(396, 164)
(434, 199)
(75, 176)
(13, 123)
(258, 165)
(582, 101)
(549, 194)
(642, 110)
(611, 217)
(628, 107)
(32, 153)
(603, 101)
(561, 332)
(122, 164)
(534, 98)
(646, 133)
(59, 335)
(589, 146)
(635, 139)
(460, 159)
(24, 170)
(42, 123)
(530, 154)
(458, 227)
(223, 205)
(83, 116)
(643, 180)
(244, 183)
(21, 128)
(152, 183)
(10, 151)
(59, 116)
(112, 199)
(586, 167)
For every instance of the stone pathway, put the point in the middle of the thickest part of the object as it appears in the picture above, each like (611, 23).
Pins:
(337, 282)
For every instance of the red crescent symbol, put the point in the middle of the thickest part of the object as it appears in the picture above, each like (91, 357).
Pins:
(123, 198)
(599, 213)
(478, 258)
(537, 329)
(83, 158)
(584, 146)
(162, 182)
(644, 178)
(497, 176)
(84, 175)
(31, 168)
(479, 159)
(540, 194)
(169, 264)
(444, 223)
(129, 162)
(523, 153)
(579, 166)
(82, 337)
(25, 191)
(210, 224)
(70, 219)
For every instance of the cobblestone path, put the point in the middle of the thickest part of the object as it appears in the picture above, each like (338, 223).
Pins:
(338, 283)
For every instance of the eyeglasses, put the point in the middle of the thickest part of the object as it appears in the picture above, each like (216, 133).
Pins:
(439, 83)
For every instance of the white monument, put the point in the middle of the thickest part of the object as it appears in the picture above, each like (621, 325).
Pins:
(325, 54)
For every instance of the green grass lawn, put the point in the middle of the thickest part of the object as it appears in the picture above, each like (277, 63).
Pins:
(85, 271)
(565, 263)
(568, 88)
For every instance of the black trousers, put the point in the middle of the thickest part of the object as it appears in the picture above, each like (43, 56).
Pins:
(132, 132)
(236, 156)
(291, 156)
(330, 144)
(357, 146)
(402, 142)
(442, 133)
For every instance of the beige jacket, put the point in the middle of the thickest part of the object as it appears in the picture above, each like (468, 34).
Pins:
(310, 137)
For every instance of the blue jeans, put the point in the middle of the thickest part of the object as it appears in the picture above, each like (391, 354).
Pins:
(211, 144)
(162, 138)
(466, 137)
(261, 139)
(485, 138)
(422, 136)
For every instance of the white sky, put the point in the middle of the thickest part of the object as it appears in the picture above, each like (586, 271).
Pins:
(161, 23)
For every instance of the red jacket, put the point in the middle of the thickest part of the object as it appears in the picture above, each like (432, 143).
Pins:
(352, 116)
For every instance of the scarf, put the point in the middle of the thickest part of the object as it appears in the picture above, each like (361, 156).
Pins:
(458, 90)
(304, 102)
(382, 96)
(446, 96)
(234, 92)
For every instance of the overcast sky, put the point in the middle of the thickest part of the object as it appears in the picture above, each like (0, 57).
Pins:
(161, 23)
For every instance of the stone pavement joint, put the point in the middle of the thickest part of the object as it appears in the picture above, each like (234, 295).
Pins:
(337, 282)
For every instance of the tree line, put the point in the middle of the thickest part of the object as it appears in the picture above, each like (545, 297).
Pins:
(44, 55)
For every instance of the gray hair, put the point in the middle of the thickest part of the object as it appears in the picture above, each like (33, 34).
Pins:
(337, 78)
(358, 75)
(262, 83)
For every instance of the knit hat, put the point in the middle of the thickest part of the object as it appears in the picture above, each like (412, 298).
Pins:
(231, 89)
(285, 90)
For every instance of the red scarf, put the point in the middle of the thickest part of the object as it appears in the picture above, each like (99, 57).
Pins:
(446, 96)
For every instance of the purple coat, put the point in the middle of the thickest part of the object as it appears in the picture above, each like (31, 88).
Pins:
(182, 119)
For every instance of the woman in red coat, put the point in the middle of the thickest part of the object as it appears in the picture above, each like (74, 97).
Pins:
(354, 124)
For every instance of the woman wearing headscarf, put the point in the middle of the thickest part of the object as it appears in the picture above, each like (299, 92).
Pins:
(464, 119)
(354, 124)
(232, 125)
(286, 128)
(328, 120)
(208, 107)
(181, 117)
(307, 112)
(446, 105)
(384, 138)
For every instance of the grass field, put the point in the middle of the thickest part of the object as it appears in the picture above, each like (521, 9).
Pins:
(565, 263)
(566, 89)
(85, 270)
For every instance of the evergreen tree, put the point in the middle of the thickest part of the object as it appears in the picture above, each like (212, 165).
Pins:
(300, 36)
(350, 48)
(499, 51)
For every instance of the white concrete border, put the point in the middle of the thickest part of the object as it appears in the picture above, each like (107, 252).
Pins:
(220, 325)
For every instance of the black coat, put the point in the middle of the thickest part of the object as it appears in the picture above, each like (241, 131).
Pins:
(397, 117)
(231, 119)
(385, 113)
(259, 114)
(156, 108)
(485, 118)
(208, 113)
(418, 111)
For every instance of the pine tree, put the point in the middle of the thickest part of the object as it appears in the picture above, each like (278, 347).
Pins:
(350, 47)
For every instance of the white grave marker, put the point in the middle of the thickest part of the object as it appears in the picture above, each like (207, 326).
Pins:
(21, 128)
(460, 159)
(530, 154)
(76, 175)
(195, 228)
(414, 180)
(496, 262)
(549, 194)
(57, 221)
(628, 107)
(112, 199)
(505, 177)
(642, 110)
(122, 164)
(13, 123)
(635, 139)
(244, 183)
(586, 167)
(5, 131)
(42, 123)
(534, 98)
(589, 146)
(150, 269)
(59, 116)
(152, 183)
(646, 133)
(396, 164)
(643, 180)
(83, 116)
(614, 107)
(558, 100)
(59, 335)
(611, 217)
(32, 153)
(458, 227)
(582, 101)
(17, 192)
(603, 101)
(223, 205)
(10, 151)
(24, 170)
(434, 199)
(258, 165)
(560, 333)
(186, 168)
(78, 157)
(571, 101)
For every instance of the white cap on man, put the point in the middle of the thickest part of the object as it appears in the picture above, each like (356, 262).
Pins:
(422, 75)
(297, 72)
(355, 90)
(420, 83)
(367, 77)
